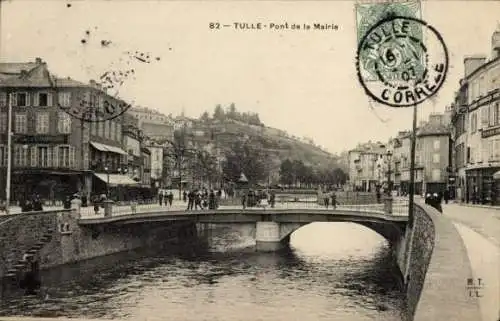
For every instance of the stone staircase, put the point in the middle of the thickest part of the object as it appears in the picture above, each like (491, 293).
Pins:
(22, 265)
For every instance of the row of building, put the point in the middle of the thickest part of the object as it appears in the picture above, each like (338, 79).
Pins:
(376, 164)
(458, 150)
(55, 154)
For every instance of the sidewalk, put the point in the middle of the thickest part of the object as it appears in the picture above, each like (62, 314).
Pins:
(479, 227)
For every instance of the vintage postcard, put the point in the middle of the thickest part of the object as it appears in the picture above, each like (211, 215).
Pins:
(250, 160)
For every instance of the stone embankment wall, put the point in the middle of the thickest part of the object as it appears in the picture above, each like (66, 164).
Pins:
(21, 232)
(73, 242)
(435, 267)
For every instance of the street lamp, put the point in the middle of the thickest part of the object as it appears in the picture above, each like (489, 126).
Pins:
(389, 156)
(107, 185)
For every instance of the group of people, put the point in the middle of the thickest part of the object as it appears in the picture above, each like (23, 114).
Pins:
(330, 196)
(202, 199)
(33, 203)
(166, 198)
(253, 198)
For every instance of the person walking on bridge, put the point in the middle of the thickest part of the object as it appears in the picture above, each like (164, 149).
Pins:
(334, 200)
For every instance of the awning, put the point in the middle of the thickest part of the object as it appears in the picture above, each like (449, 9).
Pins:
(107, 148)
(496, 175)
(115, 179)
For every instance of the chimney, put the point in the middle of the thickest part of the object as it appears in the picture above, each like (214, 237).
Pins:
(495, 44)
(38, 61)
(436, 119)
(93, 83)
(471, 63)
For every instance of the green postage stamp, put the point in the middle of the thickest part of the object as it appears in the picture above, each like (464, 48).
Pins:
(369, 14)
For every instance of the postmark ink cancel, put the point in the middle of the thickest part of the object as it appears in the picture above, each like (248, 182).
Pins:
(92, 103)
(401, 61)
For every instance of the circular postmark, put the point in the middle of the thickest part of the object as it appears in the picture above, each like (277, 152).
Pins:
(401, 61)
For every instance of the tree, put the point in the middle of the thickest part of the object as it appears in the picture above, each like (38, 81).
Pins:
(205, 117)
(179, 153)
(219, 113)
(286, 172)
(232, 113)
(246, 157)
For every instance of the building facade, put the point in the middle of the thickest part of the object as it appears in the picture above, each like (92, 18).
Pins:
(53, 153)
(476, 128)
(365, 166)
(153, 123)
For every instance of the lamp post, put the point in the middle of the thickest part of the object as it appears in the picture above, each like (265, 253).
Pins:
(389, 156)
(107, 185)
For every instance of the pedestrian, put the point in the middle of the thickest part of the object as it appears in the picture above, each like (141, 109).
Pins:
(244, 200)
(84, 200)
(446, 196)
(197, 200)
(211, 201)
(37, 204)
(67, 203)
(184, 196)
(170, 198)
(190, 197)
(272, 199)
(160, 198)
(334, 200)
(327, 200)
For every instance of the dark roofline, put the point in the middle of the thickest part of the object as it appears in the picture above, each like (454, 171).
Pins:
(483, 66)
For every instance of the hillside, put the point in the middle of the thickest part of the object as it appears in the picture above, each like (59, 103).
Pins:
(275, 141)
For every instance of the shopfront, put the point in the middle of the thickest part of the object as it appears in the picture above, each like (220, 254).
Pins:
(482, 187)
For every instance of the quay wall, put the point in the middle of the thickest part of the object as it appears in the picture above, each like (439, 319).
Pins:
(71, 242)
(435, 267)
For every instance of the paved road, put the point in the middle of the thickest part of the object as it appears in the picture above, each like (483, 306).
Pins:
(479, 228)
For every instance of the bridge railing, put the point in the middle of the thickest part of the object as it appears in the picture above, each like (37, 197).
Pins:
(393, 206)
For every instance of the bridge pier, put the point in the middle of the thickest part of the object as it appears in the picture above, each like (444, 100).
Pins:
(267, 237)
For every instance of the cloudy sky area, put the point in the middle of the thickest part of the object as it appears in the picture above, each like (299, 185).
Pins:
(301, 81)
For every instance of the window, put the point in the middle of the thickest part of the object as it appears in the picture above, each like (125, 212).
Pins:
(64, 156)
(42, 122)
(106, 129)
(3, 99)
(64, 99)
(21, 155)
(20, 123)
(93, 127)
(484, 116)
(64, 123)
(43, 156)
(118, 131)
(417, 159)
(437, 143)
(100, 126)
(43, 99)
(3, 155)
(3, 122)
(436, 158)
(436, 175)
(20, 99)
(496, 149)
(112, 129)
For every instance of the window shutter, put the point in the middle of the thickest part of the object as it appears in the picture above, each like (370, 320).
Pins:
(49, 156)
(49, 99)
(28, 99)
(33, 156)
(71, 156)
(3, 99)
(55, 158)
(36, 101)
(13, 98)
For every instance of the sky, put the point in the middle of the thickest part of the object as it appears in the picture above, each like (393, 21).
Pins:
(302, 81)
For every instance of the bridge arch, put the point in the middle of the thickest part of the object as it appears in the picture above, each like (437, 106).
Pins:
(389, 231)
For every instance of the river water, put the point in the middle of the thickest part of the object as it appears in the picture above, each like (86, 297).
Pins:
(332, 271)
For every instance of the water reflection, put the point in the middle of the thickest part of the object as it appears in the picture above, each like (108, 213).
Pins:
(331, 271)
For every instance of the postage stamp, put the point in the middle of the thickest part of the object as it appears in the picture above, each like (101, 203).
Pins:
(401, 61)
